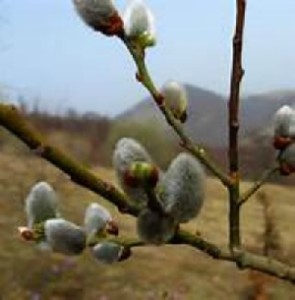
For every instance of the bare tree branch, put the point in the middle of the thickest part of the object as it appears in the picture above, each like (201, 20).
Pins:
(233, 109)
(243, 259)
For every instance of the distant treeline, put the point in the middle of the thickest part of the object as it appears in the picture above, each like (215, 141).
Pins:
(91, 137)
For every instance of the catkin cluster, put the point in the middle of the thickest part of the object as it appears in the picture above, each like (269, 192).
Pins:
(137, 22)
(166, 198)
(284, 137)
(49, 230)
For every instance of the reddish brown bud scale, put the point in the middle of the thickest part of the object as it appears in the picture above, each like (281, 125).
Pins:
(141, 174)
(112, 228)
(286, 169)
(26, 233)
(138, 77)
(281, 142)
(159, 98)
(130, 180)
(125, 254)
(153, 177)
(115, 26)
(183, 117)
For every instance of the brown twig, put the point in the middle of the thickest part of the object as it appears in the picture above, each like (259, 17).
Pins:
(243, 259)
(233, 109)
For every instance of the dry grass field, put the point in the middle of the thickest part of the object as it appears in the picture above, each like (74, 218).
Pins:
(168, 272)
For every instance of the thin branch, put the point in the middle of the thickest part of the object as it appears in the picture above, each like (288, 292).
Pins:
(196, 150)
(236, 78)
(243, 259)
(265, 264)
(257, 185)
(233, 109)
(183, 237)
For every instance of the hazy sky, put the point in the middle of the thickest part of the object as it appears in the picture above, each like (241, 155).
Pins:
(46, 52)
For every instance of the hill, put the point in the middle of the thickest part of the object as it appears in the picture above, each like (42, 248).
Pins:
(204, 106)
(207, 114)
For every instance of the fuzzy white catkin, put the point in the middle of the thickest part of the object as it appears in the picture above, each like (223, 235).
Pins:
(284, 122)
(182, 188)
(107, 252)
(64, 236)
(96, 217)
(138, 19)
(154, 227)
(175, 98)
(41, 204)
(128, 151)
(95, 12)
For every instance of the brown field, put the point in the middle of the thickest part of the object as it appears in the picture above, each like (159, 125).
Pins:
(168, 272)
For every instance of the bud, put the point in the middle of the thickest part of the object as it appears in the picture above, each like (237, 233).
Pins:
(41, 204)
(139, 23)
(182, 188)
(127, 152)
(97, 220)
(26, 233)
(64, 237)
(109, 252)
(141, 174)
(100, 15)
(175, 98)
(281, 142)
(284, 122)
(35, 235)
(287, 160)
(154, 227)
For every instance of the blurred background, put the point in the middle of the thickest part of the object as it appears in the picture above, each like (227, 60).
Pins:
(79, 89)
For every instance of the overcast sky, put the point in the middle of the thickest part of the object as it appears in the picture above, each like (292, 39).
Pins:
(46, 52)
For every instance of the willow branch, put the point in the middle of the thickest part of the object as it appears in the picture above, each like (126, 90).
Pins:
(243, 259)
(265, 264)
(258, 184)
(234, 98)
(196, 150)
(233, 110)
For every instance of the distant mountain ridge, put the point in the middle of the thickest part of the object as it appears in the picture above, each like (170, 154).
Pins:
(207, 114)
